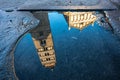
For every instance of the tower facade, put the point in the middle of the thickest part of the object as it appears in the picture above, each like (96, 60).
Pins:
(43, 41)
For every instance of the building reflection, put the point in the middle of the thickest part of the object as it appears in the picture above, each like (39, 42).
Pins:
(43, 42)
(80, 20)
(42, 36)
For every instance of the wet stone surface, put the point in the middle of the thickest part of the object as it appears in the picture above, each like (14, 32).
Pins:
(12, 26)
(66, 2)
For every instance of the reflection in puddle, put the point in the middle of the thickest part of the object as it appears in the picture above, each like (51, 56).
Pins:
(80, 20)
(42, 39)
(89, 54)
(42, 36)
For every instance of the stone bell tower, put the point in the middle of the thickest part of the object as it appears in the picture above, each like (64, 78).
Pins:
(43, 41)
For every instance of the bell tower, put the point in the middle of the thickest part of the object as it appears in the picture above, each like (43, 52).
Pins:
(43, 41)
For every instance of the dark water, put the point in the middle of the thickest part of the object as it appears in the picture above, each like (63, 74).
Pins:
(90, 54)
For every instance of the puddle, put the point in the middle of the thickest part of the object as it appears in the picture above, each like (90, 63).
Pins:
(90, 54)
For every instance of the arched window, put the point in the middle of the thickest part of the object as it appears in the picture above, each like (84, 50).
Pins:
(47, 59)
(47, 54)
(43, 42)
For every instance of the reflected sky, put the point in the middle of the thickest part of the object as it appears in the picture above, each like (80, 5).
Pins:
(90, 54)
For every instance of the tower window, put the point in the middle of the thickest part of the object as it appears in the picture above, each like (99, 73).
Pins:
(47, 54)
(47, 59)
(45, 48)
(43, 42)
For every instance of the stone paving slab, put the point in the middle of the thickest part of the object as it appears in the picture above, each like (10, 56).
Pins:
(114, 19)
(58, 5)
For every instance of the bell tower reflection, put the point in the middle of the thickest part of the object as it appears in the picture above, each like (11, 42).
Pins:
(42, 36)
(43, 42)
